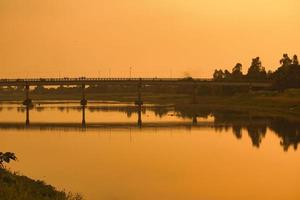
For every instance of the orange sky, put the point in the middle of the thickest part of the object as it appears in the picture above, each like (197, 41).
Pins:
(155, 37)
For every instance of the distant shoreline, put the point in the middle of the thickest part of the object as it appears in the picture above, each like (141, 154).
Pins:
(287, 102)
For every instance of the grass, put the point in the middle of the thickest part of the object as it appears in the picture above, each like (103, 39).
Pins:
(272, 105)
(16, 187)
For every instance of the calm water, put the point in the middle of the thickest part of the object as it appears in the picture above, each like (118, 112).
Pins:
(204, 154)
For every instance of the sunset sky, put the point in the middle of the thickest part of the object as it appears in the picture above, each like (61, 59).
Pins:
(162, 38)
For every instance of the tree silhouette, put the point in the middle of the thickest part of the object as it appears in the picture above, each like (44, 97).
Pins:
(288, 75)
(6, 158)
(237, 71)
(285, 60)
(227, 75)
(295, 60)
(256, 71)
(218, 75)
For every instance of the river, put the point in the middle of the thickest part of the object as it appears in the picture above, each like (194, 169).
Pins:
(171, 155)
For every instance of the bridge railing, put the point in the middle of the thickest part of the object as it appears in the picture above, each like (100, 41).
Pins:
(97, 79)
(84, 80)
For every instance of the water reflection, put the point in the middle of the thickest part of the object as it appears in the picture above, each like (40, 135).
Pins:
(139, 111)
(288, 132)
(83, 116)
(255, 126)
(27, 116)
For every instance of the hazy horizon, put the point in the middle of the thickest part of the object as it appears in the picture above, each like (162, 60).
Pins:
(163, 38)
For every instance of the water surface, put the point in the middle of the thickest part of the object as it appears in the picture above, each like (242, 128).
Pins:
(175, 154)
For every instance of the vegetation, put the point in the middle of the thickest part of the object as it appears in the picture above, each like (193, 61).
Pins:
(16, 187)
(6, 158)
(286, 76)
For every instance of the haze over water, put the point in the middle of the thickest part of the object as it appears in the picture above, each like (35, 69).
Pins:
(222, 156)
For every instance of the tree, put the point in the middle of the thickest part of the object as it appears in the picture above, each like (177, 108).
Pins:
(285, 60)
(237, 71)
(218, 75)
(227, 75)
(256, 71)
(6, 158)
(295, 60)
(288, 75)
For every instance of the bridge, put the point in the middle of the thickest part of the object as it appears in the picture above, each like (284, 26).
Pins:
(127, 81)
(138, 82)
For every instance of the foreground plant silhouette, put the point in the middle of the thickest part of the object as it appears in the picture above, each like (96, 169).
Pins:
(6, 158)
(16, 187)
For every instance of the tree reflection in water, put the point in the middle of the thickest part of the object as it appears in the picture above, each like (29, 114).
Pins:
(256, 125)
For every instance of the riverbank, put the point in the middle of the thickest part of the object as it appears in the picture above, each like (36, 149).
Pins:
(17, 187)
(272, 103)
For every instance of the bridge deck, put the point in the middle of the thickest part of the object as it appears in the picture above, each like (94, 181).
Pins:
(125, 81)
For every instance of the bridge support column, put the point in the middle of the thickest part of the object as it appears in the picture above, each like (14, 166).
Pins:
(28, 103)
(83, 116)
(83, 104)
(27, 122)
(83, 101)
(139, 102)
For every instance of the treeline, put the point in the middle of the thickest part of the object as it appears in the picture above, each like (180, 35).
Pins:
(286, 76)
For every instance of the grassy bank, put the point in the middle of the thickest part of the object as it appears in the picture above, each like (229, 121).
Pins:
(16, 187)
(286, 103)
(278, 103)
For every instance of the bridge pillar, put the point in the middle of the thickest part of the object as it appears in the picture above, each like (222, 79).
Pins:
(83, 104)
(83, 116)
(27, 101)
(139, 102)
(27, 122)
(83, 101)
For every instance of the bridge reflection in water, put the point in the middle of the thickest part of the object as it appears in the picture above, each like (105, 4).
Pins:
(83, 108)
(138, 110)
(256, 125)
